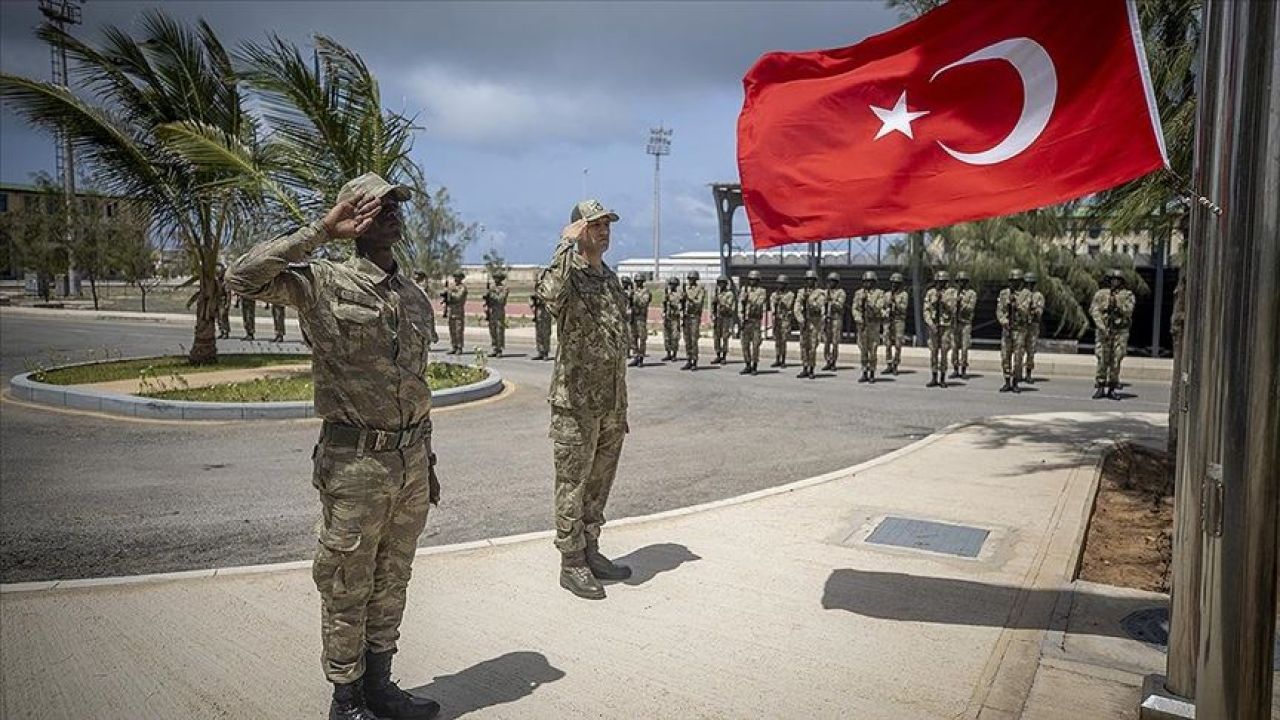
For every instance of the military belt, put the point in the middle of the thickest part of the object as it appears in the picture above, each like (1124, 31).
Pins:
(371, 439)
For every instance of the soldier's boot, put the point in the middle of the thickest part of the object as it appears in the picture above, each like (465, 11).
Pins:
(1016, 387)
(942, 378)
(804, 372)
(576, 577)
(1008, 384)
(348, 703)
(746, 369)
(863, 378)
(385, 698)
(1111, 392)
(964, 372)
(755, 368)
(1099, 391)
(933, 380)
(871, 377)
(602, 567)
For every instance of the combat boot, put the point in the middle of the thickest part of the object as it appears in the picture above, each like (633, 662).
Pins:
(602, 567)
(942, 379)
(687, 365)
(754, 368)
(1111, 392)
(1016, 386)
(745, 371)
(776, 363)
(871, 377)
(933, 380)
(348, 703)
(1099, 391)
(863, 377)
(964, 372)
(804, 372)
(1008, 384)
(385, 698)
(576, 577)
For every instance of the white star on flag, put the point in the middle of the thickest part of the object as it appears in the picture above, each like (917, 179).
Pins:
(897, 119)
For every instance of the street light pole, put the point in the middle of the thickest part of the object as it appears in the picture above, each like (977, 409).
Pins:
(63, 13)
(659, 145)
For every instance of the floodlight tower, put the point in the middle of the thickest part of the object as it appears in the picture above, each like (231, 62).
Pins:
(659, 145)
(62, 14)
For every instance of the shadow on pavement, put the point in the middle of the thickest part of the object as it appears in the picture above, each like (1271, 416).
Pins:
(947, 601)
(504, 679)
(1071, 434)
(650, 561)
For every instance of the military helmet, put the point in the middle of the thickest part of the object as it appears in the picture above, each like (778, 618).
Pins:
(417, 274)
(870, 275)
(783, 279)
(639, 278)
(833, 277)
(673, 280)
(810, 274)
(1030, 278)
(626, 280)
(1015, 274)
(753, 275)
(693, 275)
(1116, 273)
(942, 276)
(499, 274)
(895, 278)
(722, 280)
(458, 274)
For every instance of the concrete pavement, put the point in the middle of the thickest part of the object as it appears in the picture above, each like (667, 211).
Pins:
(771, 605)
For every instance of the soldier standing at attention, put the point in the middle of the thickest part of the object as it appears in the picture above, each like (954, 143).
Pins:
(692, 301)
(868, 316)
(810, 310)
(724, 307)
(939, 315)
(420, 279)
(541, 321)
(1035, 313)
(455, 303)
(671, 318)
(751, 315)
(782, 307)
(224, 304)
(896, 303)
(833, 329)
(966, 304)
(1112, 315)
(1012, 311)
(277, 321)
(640, 299)
(495, 307)
(248, 314)
(626, 317)
(366, 324)
(588, 394)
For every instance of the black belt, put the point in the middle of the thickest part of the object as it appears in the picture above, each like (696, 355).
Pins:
(372, 439)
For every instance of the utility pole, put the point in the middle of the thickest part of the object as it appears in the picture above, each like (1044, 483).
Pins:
(659, 145)
(62, 14)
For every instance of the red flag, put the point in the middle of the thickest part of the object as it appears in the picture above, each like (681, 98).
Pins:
(976, 109)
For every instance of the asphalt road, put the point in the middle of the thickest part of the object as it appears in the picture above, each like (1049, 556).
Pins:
(87, 496)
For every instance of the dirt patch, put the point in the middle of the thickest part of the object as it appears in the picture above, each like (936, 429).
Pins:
(1130, 540)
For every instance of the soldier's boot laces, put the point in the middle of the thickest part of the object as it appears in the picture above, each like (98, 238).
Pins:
(576, 577)
(602, 567)
(1099, 391)
(385, 698)
(348, 703)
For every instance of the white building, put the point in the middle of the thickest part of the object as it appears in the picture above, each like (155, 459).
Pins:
(705, 262)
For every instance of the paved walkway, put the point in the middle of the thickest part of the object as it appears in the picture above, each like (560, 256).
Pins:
(772, 605)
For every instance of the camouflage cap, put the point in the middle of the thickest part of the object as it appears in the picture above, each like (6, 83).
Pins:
(869, 275)
(1015, 274)
(1030, 278)
(942, 276)
(895, 278)
(833, 276)
(810, 274)
(591, 210)
(692, 275)
(753, 275)
(962, 276)
(783, 279)
(372, 185)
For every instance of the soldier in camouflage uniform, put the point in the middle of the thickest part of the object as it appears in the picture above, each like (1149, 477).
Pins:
(374, 469)
(869, 306)
(939, 315)
(495, 311)
(541, 321)
(672, 302)
(224, 304)
(1112, 315)
(248, 314)
(724, 308)
(640, 299)
(896, 303)
(420, 279)
(588, 394)
(693, 300)
(833, 328)
(1012, 311)
(782, 307)
(810, 309)
(966, 304)
(277, 321)
(1035, 316)
(455, 308)
(627, 289)
(751, 315)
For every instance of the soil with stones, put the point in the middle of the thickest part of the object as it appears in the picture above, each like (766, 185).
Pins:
(1130, 540)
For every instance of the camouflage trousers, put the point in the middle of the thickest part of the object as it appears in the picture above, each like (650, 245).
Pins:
(868, 340)
(831, 333)
(960, 345)
(671, 334)
(497, 331)
(586, 457)
(781, 333)
(224, 318)
(1012, 351)
(277, 319)
(939, 349)
(721, 333)
(810, 334)
(891, 335)
(374, 508)
(1110, 348)
(457, 325)
(692, 331)
(248, 315)
(751, 341)
(542, 331)
(1029, 343)
(639, 336)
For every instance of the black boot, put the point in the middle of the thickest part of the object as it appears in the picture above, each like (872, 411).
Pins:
(933, 380)
(1111, 392)
(1099, 391)
(385, 698)
(602, 567)
(804, 372)
(871, 377)
(348, 703)
(964, 372)
(755, 368)
(942, 379)
(863, 377)
(745, 370)
(776, 363)
(1016, 387)
(1008, 384)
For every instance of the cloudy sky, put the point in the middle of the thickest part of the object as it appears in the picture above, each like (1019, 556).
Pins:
(516, 99)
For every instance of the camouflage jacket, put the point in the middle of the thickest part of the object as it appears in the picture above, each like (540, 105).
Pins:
(752, 304)
(1013, 308)
(1037, 307)
(1112, 311)
(835, 299)
(671, 302)
(455, 298)
(695, 299)
(939, 308)
(810, 305)
(784, 302)
(869, 306)
(966, 304)
(495, 299)
(895, 305)
(590, 374)
(725, 303)
(368, 330)
(640, 299)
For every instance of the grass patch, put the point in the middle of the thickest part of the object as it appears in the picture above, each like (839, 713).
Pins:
(131, 369)
(299, 387)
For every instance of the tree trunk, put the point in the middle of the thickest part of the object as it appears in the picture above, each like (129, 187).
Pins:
(93, 290)
(143, 289)
(204, 351)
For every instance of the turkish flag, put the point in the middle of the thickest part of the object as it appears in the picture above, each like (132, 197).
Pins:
(976, 109)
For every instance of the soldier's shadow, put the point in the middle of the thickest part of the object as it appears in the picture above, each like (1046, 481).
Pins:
(504, 679)
(650, 561)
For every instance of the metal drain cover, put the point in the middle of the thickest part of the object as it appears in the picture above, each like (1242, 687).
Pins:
(959, 540)
(1151, 626)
